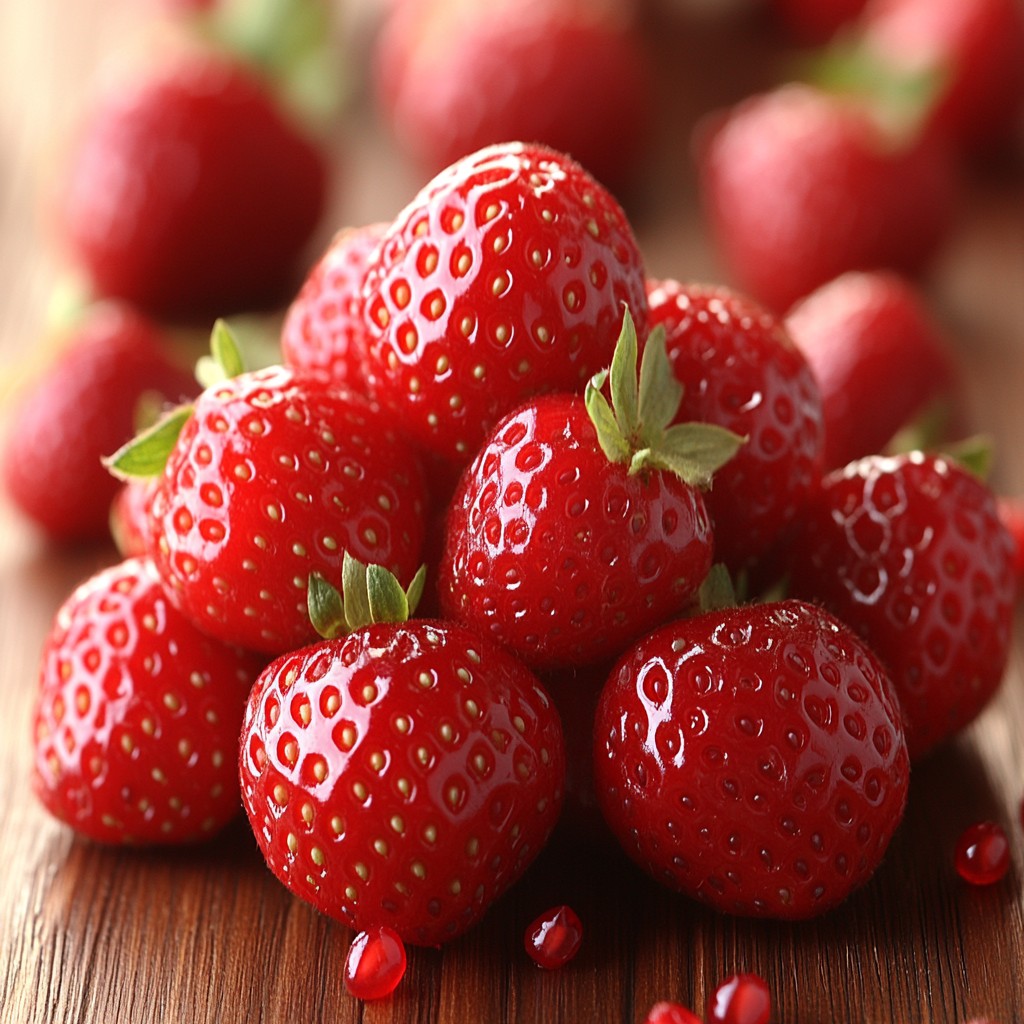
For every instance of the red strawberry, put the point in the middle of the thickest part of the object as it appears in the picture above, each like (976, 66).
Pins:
(740, 370)
(800, 186)
(753, 758)
(190, 193)
(570, 74)
(504, 278)
(275, 475)
(879, 357)
(1011, 513)
(910, 552)
(815, 21)
(324, 328)
(137, 718)
(81, 409)
(974, 47)
(402, 776)
(578, 528)
(129, 517)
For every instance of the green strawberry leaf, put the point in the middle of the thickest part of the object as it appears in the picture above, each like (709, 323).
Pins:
(625, 389)
(660, 390)
(225, 359)
(693, 451)
(326, 611)
(976, 454)
(388, 601)
(609, 436)
(146, 454)
(357, 598)
(717, 590)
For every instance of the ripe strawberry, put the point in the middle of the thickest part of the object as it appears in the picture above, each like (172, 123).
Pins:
(910, 552)
(129, 517)
(403, 776)
(1011, 514)
(740, 370)
(81, 409)
(505, 277)
(570, 74)
(800, 186)
(753, 758)
(324, 328)
(138, 713)
(975, 48)
(274, 475)
(167, 201)
(578, 528)
(879, 357)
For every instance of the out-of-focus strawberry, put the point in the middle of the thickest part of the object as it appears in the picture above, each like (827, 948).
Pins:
(815, 21)
(81, 409)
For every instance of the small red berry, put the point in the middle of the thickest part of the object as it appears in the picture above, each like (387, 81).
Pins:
(982, 854)
(554, 938)
(670, 1013)
(741, 999)
(375, 963)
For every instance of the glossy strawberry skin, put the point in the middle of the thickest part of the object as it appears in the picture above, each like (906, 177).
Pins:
(910, 552)
(740, 370)
(569, 76)
(404, 775)
(753, 758)
(81, 409)
(878, 355)
(137, 717)
(276, 475)
(504, 278)
(166, 197)
(323, 329)
(799, 187)
(560, 554)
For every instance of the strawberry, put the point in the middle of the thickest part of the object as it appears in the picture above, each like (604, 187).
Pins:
(323, 329)
(81, 409)
(129, 517)
(505, 277)
(571, 74)
(974, 49)
(137, 717)
(800, 186)
(167, 202)
(270, 476)
(403, 775)
(580, 526)
(1011, 514)
(911, 553)
(812, 22)
(753, 758)
(879, 356)
(740, 370)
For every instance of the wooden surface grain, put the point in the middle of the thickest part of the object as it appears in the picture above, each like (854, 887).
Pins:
(97, 936)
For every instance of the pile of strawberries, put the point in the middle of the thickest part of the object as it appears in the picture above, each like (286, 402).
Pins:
(510, 513)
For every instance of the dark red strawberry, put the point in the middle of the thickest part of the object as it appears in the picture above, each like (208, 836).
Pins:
(505, 277)
(578, 527)
(815, 21)
(740, 370)
(324, 328)
(911, 553)
(974, 49)
(800, 186)
(138, 713)
(570, 74)
(81, 409)
(1011, 513)
(190, 192)
(402, 776)
(272, 476)
(880, 358)
(753, 758)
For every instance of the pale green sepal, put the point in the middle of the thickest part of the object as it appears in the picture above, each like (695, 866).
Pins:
(326, 610)
(660, 389)
(355, 588)
(146, 454)
(414, 593)
(225, 359)
(976, 454)
(388, 601)
(624, 388)
(693, 451)
(614, 445)
(717, 591)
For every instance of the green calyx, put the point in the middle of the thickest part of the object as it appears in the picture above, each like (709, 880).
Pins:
(635, 428)
(146, 454)
(372, 595)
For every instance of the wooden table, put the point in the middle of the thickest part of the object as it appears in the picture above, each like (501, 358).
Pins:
(205, 934)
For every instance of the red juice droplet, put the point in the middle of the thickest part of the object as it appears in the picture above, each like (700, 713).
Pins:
(375, 963)
(982, 854)
(741, 999)
(670, 1013)
(554, 938)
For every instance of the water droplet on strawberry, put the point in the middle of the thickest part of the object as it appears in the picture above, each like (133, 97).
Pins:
(375, 963)
(554, 938)
(741, 999)
(670, 1013)
(982, 854)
